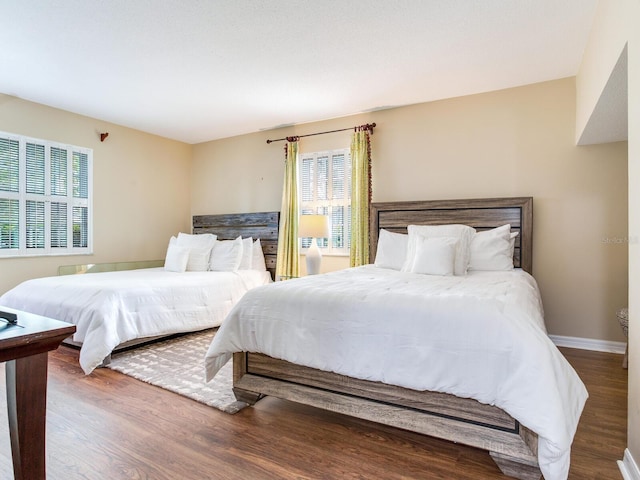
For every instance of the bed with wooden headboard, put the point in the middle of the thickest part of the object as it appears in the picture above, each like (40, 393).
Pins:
(513, 446)
(260, 225)
(124, 304)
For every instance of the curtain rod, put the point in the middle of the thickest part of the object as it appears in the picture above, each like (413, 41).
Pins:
(368, 126)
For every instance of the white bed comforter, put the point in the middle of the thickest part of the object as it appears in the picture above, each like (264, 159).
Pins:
(480, 336)
(110, 308)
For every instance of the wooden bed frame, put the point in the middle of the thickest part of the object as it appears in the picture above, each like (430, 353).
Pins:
(466, 421)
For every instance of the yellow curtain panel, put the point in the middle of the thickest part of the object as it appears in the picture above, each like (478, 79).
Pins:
(360, 197)
(287, 264)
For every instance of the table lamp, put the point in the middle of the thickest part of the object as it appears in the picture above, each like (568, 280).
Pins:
(314, 226)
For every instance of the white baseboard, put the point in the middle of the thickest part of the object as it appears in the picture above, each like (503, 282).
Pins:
(589, 344)
(628, 467)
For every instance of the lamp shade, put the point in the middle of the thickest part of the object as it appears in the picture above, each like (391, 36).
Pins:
(315, 226)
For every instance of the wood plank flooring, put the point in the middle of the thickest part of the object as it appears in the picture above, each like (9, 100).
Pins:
(110, 426)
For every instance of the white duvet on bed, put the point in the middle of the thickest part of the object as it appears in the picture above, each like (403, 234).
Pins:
(110, 308)
(480, 336)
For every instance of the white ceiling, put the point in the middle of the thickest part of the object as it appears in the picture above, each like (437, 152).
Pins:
(199, 70)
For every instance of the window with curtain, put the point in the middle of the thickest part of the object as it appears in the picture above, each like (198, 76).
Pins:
(325, 189)
(45, 197)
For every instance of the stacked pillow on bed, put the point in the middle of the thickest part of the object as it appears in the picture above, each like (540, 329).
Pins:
(204, 252)
(446, 249)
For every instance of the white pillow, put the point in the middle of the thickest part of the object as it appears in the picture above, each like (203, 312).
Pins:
(199, 259)
(247, 254)
(463, 233)
(434, 256)
(176, 258)
(491, 250)
(226, 255)
(392, 249)
(199, 250)
(196, 241)
(258, 263)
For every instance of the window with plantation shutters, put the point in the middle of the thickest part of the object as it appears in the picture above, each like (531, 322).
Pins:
(45, 197)
(325, 188)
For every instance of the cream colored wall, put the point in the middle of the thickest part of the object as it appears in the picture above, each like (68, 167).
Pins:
(236, 175)
(141, 187)
(516, 142)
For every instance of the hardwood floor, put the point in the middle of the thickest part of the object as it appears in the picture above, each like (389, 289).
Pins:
(110, 426)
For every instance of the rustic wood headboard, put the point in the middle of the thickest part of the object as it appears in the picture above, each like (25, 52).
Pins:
(481, 214)
(262, 225)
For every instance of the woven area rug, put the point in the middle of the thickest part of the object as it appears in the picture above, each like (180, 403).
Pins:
(177, 364)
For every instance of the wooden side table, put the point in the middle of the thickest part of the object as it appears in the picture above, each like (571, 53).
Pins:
(25, 348)
(623, 318)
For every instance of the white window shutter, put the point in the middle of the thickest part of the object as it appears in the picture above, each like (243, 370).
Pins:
(45, 197)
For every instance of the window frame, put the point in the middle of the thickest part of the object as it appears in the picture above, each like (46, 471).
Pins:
(49, 199)
(318, 206)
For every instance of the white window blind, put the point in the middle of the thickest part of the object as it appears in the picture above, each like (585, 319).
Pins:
(45, 197)
(325, 188)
